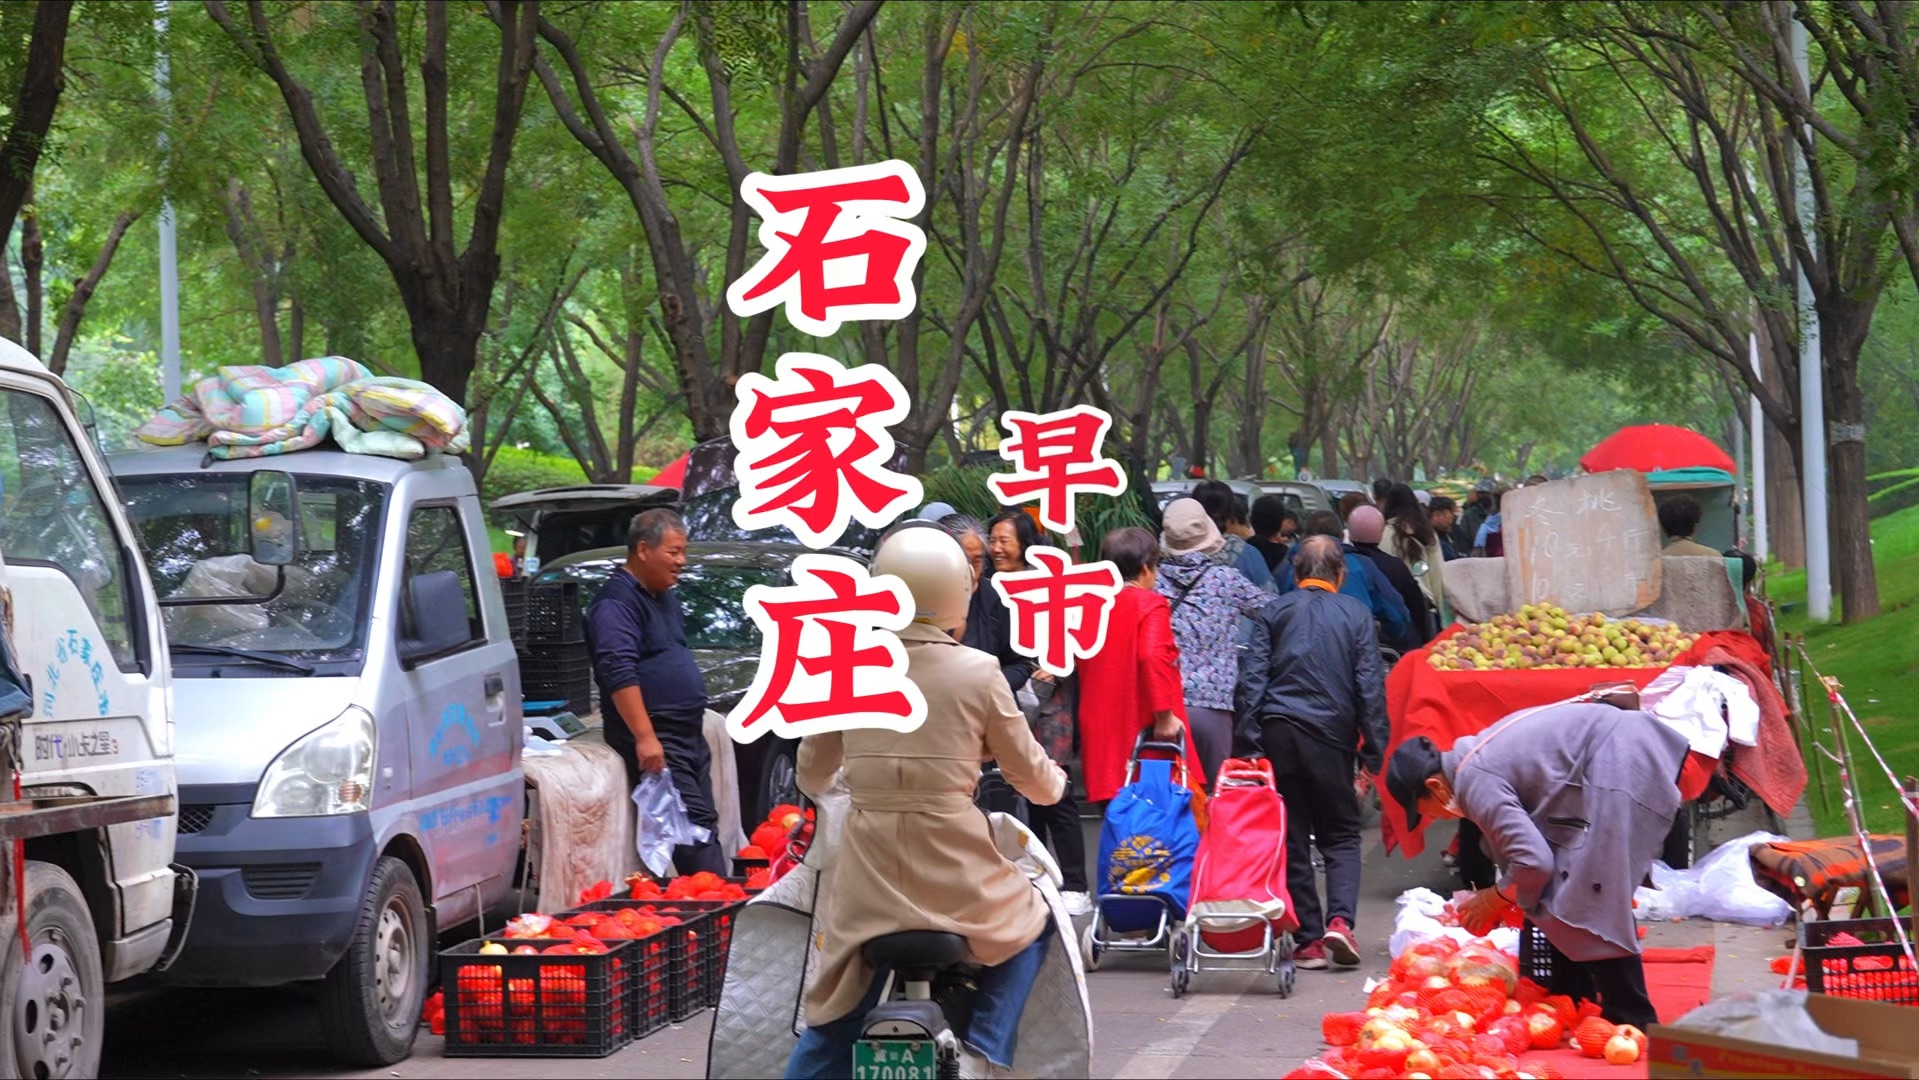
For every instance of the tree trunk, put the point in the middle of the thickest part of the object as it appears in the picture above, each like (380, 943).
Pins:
(9, 306)
(297, 328)
(40, 88)
(33, 261)
(1329, 453)
(1842, 336)
(1785, 513)
(83, 289)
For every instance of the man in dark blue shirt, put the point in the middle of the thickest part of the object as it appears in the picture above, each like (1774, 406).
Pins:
(651, 691)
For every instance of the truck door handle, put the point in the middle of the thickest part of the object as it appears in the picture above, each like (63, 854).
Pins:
(495, 685)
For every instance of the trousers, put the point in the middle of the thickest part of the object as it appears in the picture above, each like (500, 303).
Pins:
(1058, 826)
(1315, 778)
(683, 740)
(1618, 984)
(993, 1033)
(1212, 731)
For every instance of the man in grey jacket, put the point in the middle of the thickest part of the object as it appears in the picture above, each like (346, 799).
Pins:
(1312, 698)
(1575, 801)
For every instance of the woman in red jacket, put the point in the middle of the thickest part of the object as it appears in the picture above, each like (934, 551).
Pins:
(1132, 683)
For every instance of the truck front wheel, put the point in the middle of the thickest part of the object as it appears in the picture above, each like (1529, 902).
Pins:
(53, 999)
(370, 1002)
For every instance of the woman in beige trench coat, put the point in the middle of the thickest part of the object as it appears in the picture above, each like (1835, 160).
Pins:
(917, 854)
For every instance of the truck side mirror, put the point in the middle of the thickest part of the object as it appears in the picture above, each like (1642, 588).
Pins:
(273, 518)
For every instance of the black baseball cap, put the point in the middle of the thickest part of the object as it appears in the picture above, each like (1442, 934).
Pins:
(1416, 760)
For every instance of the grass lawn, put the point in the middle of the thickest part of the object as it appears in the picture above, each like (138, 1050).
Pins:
(1875, 663)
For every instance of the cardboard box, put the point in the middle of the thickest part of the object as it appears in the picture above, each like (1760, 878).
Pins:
(1888, 1046)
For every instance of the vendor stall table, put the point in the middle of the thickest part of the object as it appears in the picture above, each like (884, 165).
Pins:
(1448, 705)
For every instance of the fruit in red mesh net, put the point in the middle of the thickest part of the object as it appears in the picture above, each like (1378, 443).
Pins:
(1540, 1070)
(1478, 965)
(1591, 1035)
(1341, 1029)
(1544, 1031)
(1514, 1033)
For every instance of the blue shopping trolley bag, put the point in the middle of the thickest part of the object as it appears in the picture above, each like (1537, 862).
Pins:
(1147, 845)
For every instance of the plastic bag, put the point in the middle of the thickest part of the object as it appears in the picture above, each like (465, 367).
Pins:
(1719, 887)
(663, 824)
(1773, 1017)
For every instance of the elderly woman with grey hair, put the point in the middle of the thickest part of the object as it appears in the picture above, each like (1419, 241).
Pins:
(1207, 598)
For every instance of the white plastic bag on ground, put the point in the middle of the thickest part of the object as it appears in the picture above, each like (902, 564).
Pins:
(663, 824)
(1418, 921)
(1720, 887)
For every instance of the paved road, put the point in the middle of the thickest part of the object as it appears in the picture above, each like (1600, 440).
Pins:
(1229, 1025)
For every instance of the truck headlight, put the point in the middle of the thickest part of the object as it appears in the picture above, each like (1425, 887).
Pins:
(326, 771)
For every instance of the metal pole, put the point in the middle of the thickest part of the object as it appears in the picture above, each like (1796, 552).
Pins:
(1812, 390)
(1761, 534)
(169, 253)
(1911, 793)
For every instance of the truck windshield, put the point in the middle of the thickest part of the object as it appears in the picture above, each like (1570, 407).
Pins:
(194, 530)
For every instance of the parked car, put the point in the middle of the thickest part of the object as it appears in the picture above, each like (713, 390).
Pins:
(725, 640)
(1165, 491)
(1339, 489)
(99, 899)
(1302, 497)
(347, 722)
(560, 521)
(564, 521)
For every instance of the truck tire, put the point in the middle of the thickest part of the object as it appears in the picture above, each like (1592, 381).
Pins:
(370, 1002)
(54, 1001)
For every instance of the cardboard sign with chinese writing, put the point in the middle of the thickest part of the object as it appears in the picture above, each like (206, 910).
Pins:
(1587, 543)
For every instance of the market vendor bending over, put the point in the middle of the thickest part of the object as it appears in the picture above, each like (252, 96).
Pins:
(1575, 801)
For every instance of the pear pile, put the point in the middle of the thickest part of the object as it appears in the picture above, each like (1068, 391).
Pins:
(1545, 636)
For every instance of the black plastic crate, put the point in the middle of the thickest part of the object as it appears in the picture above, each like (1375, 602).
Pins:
(1536, 956)
(513, 592)
(554, 613)
(662, 961)
(537, 1006)
(1876, 970)
(705, 941)
(743, 867)
(558, 672)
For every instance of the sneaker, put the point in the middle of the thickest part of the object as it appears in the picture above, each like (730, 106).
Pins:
(1311, 957)
(1078, 904)
(1339, 943)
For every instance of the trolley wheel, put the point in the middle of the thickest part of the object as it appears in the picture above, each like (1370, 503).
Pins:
(1181, 979)
(1089, 949)
(1285, 978)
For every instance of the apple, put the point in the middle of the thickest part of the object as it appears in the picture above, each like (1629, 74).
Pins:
(1622, 1049)
(1422, 1061)
(492, 948)
(1635, 1034)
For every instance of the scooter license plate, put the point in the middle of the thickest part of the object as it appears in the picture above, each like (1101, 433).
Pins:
(895, 1059)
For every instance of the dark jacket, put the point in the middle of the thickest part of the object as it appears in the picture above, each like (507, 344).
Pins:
(1419, 609)
(638, 639)
(1367, 584)
(1315, 661)
(989, 628)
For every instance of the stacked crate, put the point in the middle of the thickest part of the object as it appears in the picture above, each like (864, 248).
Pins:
(554, 664)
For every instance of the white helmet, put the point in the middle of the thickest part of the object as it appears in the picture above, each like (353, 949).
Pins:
(935, 570)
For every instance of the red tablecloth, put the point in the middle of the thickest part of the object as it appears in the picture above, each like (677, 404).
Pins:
(1446, 705)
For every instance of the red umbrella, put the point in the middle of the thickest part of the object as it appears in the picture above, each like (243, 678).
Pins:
(673, 475)
(1652, 447)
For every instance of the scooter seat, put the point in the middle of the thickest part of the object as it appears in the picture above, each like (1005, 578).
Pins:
(915, 950)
